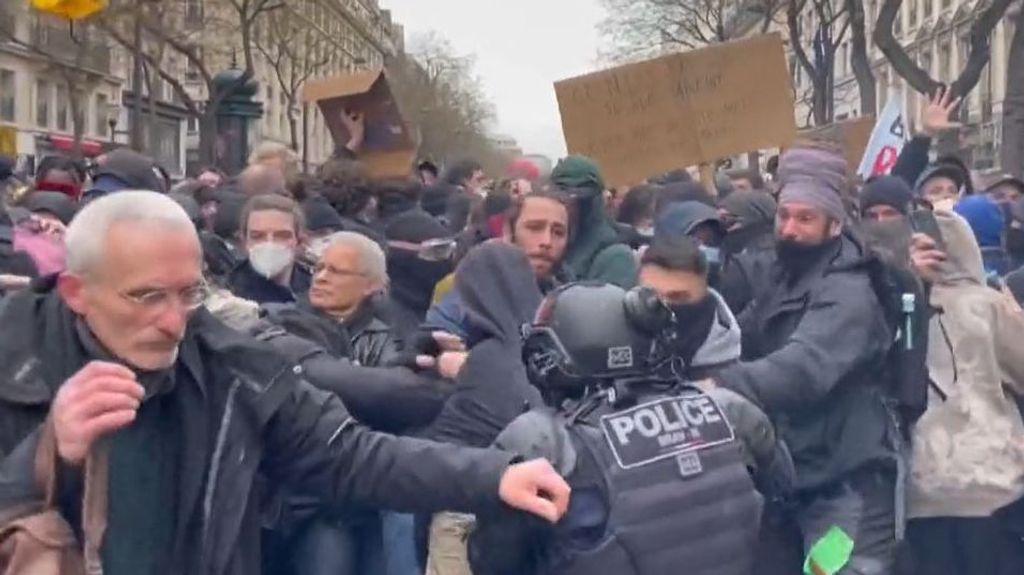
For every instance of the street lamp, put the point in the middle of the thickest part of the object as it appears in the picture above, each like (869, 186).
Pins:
(113, 112)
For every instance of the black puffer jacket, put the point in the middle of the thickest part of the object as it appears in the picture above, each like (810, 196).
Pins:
(252, 410)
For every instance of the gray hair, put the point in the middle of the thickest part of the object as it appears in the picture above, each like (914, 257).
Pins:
(258, 180)
(86, 237)
(372, 260)
(268, 149)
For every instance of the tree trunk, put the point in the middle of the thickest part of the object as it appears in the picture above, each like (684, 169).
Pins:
(77, 120)
(136, 111)
(859, 60)
(150, 139)
(1013, 103)
(981, 31)
(293, 125)
(305, 137)
(820, 98)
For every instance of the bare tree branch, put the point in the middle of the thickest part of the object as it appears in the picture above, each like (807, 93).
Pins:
(919, 79)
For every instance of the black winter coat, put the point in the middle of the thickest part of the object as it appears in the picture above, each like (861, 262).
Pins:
(244, 282)
(814, 348)
(253, 411)
(392, 399)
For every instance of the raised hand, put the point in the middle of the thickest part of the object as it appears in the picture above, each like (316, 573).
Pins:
(935, 116)
(101, 398)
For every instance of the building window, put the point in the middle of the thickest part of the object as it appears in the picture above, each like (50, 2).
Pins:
(964, 48)
(927, 9)
(44, 96)
(945, 61)
(8, 93)
(986, 94)
(193, 11)
(62, 107)
(912, 13)
(926, 61)
(947, 4)
(192, 125)
(883, 88)
(192, 73)
(100, 110)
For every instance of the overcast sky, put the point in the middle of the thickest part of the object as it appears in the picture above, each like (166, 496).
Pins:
(521, 49)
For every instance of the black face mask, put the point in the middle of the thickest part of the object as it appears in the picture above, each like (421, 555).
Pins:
(737, 240)
(796, 258)
(693, 322)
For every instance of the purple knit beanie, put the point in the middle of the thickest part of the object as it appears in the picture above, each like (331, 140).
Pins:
(814, 177)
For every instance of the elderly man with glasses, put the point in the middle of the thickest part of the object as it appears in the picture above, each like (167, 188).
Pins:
(118, 388)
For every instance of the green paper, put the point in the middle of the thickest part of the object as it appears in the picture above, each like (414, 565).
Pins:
(829, 554)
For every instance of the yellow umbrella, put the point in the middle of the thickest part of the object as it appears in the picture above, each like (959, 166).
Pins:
(70, 9)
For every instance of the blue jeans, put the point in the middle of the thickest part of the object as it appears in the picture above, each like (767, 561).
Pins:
(398, 532)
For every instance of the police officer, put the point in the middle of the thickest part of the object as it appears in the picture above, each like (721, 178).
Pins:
(661, 472)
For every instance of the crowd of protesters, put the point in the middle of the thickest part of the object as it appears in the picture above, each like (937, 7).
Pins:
(305, 373)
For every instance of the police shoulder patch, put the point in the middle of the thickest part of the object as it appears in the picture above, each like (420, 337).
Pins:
(665, 428)
(620, 357)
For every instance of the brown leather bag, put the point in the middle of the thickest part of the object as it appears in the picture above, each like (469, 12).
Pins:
(35, 539)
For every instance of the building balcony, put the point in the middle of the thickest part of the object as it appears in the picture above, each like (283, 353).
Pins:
(84, 53)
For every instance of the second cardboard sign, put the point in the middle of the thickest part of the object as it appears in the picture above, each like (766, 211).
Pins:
(679, 110)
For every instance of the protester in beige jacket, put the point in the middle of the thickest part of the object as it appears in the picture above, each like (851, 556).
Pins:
(967, 465)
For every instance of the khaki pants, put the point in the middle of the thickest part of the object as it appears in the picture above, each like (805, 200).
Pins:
(449, 533)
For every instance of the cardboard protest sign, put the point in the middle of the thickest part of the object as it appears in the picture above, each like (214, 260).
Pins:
(852, 135)
(388, 141)
(886, 143)
(646, 118)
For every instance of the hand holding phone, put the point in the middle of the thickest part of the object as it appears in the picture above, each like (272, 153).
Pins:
(924, 222)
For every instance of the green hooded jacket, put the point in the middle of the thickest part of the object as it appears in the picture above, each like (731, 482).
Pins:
(596, 252)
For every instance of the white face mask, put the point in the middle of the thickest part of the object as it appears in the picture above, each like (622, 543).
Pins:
(270, 259)
(645, 231)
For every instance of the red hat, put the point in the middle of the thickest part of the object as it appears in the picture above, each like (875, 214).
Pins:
(522, 168)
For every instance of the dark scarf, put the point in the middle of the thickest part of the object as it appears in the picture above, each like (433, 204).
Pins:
(692, 325)
(737, 241)
(143, 457)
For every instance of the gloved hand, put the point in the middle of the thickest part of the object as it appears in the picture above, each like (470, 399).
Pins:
(426, 349)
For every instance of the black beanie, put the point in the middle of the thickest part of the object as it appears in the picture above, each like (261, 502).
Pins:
(321, 215)
(434, 199)
(415, 226)
(887, 191)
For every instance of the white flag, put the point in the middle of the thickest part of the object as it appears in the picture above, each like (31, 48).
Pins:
(886, 141)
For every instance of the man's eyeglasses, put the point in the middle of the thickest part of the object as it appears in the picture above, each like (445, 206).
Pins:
(191, 298)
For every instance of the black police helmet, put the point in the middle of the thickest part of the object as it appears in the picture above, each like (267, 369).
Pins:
(587, 332)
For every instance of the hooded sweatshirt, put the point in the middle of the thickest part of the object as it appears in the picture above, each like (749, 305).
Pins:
(595, 252)
(723, 344)
(968, 447)
(987, 222)
(499, 294)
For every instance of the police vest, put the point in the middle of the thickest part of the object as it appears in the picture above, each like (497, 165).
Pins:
(680, 498)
